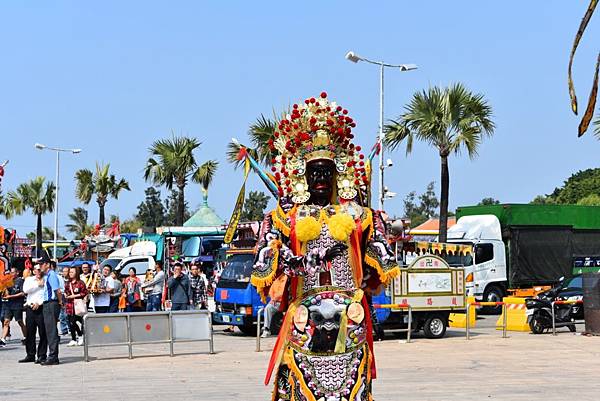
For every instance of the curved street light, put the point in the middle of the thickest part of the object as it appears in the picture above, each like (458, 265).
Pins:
(75, 151)
(355, 58)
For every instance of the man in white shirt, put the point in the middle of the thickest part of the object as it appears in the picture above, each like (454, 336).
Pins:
(102, 299)
(156, 284)
(33, 287)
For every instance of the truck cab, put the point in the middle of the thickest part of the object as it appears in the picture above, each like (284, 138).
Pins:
(236, 299)
(486, 276)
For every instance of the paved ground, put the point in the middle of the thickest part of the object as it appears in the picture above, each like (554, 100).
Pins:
(522, 367)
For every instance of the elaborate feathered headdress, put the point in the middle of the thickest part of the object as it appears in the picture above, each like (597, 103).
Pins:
(317, 129)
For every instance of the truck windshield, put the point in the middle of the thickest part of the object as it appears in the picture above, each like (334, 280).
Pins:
(459, 260)
(238, 268)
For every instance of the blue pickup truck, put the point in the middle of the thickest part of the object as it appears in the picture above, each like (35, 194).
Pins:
(236, 299)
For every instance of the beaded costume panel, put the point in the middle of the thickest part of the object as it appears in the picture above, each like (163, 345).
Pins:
(324, 351)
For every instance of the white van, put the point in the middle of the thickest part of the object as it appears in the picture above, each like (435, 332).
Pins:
(140, 255)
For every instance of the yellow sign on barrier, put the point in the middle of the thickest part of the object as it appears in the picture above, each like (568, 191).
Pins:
(458, 320)
(516, 319)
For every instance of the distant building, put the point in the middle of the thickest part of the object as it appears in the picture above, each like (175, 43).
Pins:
(429, 230)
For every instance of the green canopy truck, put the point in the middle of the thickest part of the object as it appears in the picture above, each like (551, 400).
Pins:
(523, 245)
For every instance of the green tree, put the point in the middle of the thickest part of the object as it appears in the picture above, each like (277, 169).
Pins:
(47, 235)
(412, 210)
(79, 225)
(422, 207)
(151, 212)
(101, 183)
(127, 226)
(578, 186)
(254, 206)
(172, 163)
(543, 200)
(131, 225)
(449, 119)
(590, 200)
(429, 201)
(488, 202)
(36, 196)
(172, 209)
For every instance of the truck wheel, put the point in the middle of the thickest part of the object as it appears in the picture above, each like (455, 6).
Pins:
(536, 325)
(493, 294)
(248, 329)
(435, 326)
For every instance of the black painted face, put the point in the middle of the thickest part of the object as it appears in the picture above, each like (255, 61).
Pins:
(319, 177)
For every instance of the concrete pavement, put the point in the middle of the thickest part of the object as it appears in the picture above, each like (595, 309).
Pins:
(521, 367)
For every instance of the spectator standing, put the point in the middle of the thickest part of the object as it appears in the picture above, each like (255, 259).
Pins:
(131, 288)
(51, 310)
(156, 286)
(116, 294)
(33, 287)
(86, 273)
(13, 308)
(105, 289)
(74, 289)
(179, 286)
(199, 285)
(275, 294)
(64, 321)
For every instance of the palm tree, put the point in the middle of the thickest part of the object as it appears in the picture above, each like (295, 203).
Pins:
(597, 127)
(36, 196)
(260, 132)
(102, 183)
(79, 226)
(172, 162)
(4, 207)
(205, 175)
(449, 119)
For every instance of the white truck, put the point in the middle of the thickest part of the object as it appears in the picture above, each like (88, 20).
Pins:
(485, 276)
(520, 246)
(140, 255)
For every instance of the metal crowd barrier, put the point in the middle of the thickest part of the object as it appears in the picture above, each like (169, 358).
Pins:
(399, 306)
(136, 328)
(468, 316)
(554, 312)
(258, 329)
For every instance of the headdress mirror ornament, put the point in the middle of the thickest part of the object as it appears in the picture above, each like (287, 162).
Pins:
(317, 129)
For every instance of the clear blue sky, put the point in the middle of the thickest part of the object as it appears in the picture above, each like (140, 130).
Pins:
(111, 77)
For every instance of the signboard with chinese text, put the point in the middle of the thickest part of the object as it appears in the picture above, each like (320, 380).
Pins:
(429, 283)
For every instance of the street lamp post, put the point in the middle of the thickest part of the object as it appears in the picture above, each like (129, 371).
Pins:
(355, 58)
(39, 146)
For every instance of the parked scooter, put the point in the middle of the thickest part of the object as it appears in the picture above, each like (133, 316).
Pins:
(539, 309)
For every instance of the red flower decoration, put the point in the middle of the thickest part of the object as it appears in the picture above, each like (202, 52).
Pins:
(323, 95)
